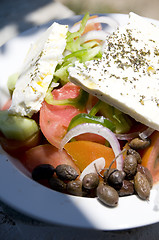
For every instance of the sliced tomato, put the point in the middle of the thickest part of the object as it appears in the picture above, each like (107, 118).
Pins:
(91, 26)
(16, 148)
(150, 157)
(46, 154)
(54, 120)
(7, 105)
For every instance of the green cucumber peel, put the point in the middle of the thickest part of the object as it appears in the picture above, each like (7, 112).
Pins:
(79, 102)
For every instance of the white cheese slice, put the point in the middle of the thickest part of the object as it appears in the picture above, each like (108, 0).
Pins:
(127, 75)
(37, 70)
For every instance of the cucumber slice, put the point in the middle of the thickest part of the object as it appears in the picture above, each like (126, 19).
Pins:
(17, 127)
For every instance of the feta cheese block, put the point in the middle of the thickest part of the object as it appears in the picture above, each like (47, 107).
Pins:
(37, 70)
(127, 75)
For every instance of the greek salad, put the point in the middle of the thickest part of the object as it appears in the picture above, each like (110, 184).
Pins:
(79, 117)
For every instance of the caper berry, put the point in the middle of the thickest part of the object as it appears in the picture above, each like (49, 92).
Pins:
(66, 172)
(130, 166)
(135, 153)
(57, 184)
(126, 189)
(107, 194)
(142, 186)
(138, 143)
(74, 187)
(115, 178)
(90, 181)
(43, 171)
(147, 174)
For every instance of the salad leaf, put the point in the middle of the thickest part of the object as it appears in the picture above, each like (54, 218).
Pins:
(84, 55)
(73, 39)
(75, 51)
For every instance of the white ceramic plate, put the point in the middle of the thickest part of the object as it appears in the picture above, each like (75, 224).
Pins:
(20, 192)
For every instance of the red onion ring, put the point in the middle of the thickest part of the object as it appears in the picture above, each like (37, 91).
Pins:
(99, 163)
(127, 136)
(94, 34)
(143, 134)
(96, 129)
(105, 20)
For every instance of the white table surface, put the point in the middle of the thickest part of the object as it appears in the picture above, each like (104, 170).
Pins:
(20, 15)
(13, 225)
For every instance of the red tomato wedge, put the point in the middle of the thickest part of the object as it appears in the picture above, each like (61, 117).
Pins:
(46, 154)
(150, 157)
(7, 105)
(17, 148)
(91, 26)
(54, 120)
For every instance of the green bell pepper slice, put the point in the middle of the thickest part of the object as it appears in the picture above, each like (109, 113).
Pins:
(121, 121)
(86, 118)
